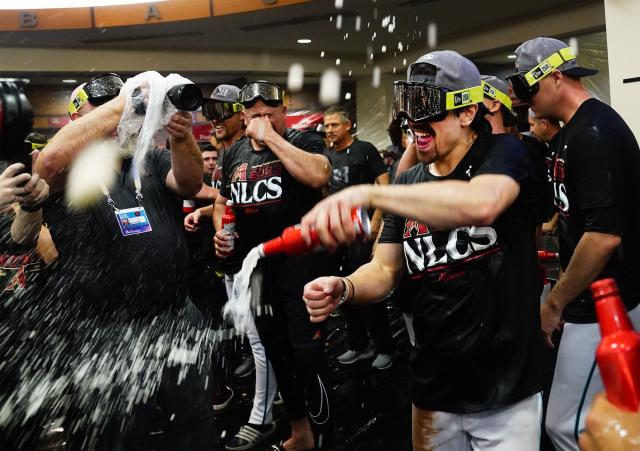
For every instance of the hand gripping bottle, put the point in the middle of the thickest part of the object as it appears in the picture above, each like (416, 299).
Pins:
(292, 243)
(618, 354)
(229, 221)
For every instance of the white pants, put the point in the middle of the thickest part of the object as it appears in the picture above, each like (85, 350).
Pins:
(572, 388)
(266, 385)
(512, 428)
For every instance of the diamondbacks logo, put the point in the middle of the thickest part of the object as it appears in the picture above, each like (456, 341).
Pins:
(264, 184)
(411, 226)
(240, 173)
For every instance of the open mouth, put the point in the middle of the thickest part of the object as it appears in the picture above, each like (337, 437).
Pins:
(424, 136)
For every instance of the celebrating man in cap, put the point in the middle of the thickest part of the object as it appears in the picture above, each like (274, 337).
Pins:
(596, 168)
(460, 225)
(274, 178)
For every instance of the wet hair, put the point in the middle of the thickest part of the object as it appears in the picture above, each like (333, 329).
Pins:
(339, 110)
(479, 124)
(395, 132)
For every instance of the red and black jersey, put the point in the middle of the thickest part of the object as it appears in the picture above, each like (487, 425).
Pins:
(474, 291)
(267, 199)
(596, 169)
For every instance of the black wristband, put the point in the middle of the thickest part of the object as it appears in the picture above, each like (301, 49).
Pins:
(31, 208)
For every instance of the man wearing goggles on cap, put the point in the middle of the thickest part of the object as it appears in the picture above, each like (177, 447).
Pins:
(97, 91)
(224, 112)
(501, 116)
(122, 280)
(595, 172)
(274, 178)
(459, 226)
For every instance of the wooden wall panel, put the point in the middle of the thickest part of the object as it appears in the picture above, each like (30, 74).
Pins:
(174, 10)
(45, 19)
(224, 7)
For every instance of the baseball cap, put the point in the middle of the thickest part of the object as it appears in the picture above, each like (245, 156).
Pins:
(226, 93)
(497, 89)
(534, 51)
(444, 69)
(437, 83)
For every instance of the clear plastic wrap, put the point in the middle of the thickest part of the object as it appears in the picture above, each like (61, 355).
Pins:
(147, 111)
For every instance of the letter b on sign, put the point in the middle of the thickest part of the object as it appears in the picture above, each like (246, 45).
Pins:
(28, 19)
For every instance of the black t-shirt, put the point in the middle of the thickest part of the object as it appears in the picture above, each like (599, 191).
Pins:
(267, 199)
(474, 292)
(106, 272)
(357, 164)
(596, 179)
(537, 153)
(200, 242)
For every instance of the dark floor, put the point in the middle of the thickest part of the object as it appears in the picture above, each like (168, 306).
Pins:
(372, 408)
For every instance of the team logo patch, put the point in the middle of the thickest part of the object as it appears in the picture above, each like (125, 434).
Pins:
(413, 228)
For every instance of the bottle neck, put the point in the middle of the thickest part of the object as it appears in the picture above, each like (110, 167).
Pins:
(612, 315)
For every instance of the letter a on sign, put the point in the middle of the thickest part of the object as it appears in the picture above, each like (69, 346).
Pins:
(152, 13)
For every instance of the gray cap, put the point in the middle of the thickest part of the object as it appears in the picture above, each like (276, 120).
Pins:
(444, 69)
(496, 83)
(226, 93)
(534, 51)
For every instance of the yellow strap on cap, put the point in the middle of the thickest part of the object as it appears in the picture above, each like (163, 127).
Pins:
(496, 94)
(549, 65)
(464, 97)
(80, 99)
(37, 146)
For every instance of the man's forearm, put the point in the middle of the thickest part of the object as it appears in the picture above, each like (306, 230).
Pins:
(449, 203)
(309, 169)
(206, 211)
(207, 193)
(186, 164)
(589, 258)
(73, 138)
(26, 227)
(218, 211)
(365, 291)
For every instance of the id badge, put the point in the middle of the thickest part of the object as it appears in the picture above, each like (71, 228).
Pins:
(133, 221)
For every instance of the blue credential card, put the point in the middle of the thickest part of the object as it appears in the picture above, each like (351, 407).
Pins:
(133, 221)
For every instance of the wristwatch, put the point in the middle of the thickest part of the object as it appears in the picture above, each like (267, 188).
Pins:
(344, 297)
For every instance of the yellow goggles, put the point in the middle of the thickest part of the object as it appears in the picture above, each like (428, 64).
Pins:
(37, 146)
(549, 65)
(496, 94)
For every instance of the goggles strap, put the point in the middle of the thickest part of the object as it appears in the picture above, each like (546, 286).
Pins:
(496, 94)
(80, 99)
(549, 65)
(463, 97)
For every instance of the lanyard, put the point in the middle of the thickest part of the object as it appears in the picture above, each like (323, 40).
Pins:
(136, 181)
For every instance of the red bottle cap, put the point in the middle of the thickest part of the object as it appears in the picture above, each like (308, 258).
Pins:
(604, 287)
(612, 314)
